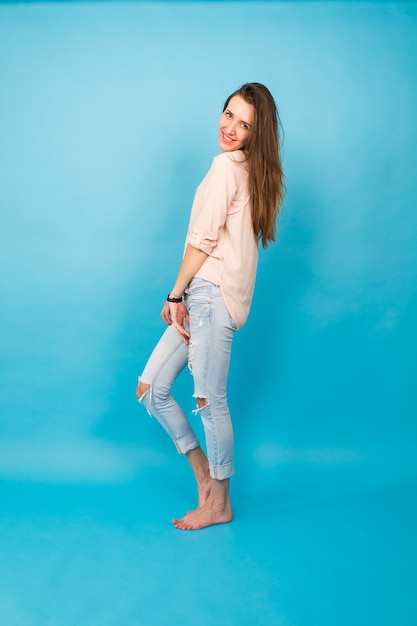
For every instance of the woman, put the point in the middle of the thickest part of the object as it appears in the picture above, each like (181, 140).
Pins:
(235, 206)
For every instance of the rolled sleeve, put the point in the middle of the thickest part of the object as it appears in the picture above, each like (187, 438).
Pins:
(202, 241)
(211, 203)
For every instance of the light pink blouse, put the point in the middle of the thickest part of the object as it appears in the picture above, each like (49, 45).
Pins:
(221, 225)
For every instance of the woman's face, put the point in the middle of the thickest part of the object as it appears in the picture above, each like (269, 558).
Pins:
(235, 124)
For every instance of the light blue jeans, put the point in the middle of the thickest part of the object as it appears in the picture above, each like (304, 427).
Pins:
(208, 358)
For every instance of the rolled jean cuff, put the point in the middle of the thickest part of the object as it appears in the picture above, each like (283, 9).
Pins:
(221, 472)
(186, 444)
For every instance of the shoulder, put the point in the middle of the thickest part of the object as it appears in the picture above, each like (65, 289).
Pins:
(232, 162)
(227, 158)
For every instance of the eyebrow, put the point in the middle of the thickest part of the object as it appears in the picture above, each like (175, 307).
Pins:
(241, 121)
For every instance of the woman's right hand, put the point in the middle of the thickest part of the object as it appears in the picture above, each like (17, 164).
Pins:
(176, 313)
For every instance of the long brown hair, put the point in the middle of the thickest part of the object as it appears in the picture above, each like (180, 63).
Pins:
(266, 178)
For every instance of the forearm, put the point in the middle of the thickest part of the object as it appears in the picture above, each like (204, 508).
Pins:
(191, 263)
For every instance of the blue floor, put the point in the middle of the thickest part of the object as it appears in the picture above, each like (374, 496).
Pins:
(309, 546)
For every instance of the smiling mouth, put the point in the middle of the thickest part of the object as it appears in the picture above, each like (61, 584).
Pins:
(227, 139)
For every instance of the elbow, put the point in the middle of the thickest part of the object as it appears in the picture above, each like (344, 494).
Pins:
(204, 246)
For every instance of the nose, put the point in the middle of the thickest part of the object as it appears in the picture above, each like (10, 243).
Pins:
(230, 127)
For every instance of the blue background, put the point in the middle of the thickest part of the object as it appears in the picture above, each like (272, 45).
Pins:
(108, 121)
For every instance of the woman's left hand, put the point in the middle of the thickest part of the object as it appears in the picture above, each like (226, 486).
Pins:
(176, 313)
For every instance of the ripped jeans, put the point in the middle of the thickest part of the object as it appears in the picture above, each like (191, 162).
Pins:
(208, 358)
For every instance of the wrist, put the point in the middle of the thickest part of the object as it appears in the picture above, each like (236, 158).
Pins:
(171, 297)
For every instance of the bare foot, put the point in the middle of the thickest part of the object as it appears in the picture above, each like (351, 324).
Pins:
(210, 513)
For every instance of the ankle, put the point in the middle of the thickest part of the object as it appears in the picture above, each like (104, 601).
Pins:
(220, 488)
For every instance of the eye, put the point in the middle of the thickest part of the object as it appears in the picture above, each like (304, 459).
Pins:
(245, 126)
(228, 114)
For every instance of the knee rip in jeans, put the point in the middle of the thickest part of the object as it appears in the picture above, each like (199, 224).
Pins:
(142, 389)
(201, 404)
